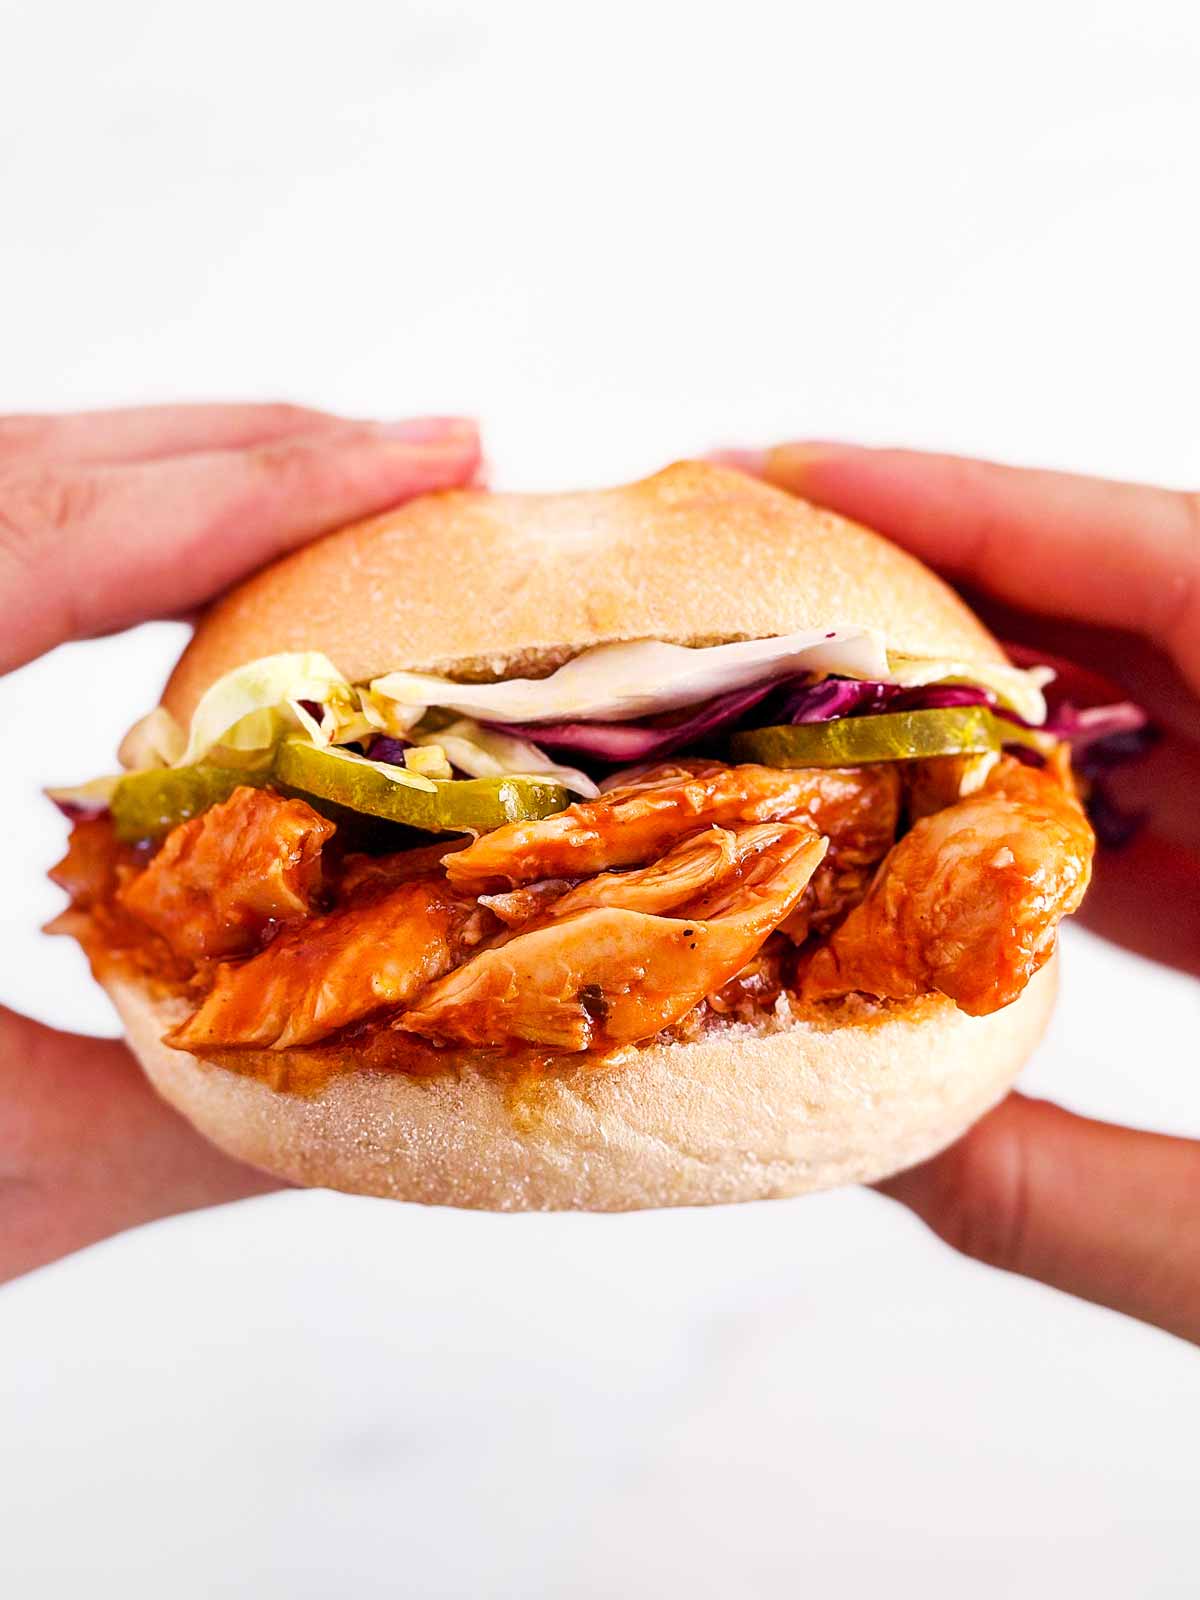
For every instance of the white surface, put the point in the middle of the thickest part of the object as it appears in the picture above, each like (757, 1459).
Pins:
(619, 232)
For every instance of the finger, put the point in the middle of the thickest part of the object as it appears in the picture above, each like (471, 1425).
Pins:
(1146, 897)
(1118, 553)
(1105, 1213)
(87, 1149)
(144, 433)
(89, 550)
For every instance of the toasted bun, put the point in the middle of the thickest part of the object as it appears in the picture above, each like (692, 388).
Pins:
(742, 1115)
(501, 585)
(485, 586)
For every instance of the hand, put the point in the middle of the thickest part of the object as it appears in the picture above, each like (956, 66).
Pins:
(108, 519)
(1107, 574)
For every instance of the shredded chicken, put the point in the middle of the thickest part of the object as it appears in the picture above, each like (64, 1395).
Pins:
(92, 869)
(361, 873)
(338, 969)
(637, 822)
(607, 976)
(519, 906)
(668, 901)
(969, 900)
(227, 878)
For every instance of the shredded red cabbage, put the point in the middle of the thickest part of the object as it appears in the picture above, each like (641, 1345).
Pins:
(77, 811)
(858, 697)
(384, 747)
(637, 741)
(1094, 727)
(792, 700)
(834, 697)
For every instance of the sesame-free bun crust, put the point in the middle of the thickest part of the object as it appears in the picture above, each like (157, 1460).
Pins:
(740, 1115)
(482, 586)
(499, 585)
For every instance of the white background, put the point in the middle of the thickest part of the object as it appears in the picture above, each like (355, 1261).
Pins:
(618, 232)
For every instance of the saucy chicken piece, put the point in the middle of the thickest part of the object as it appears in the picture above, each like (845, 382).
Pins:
(609, 976)
(337, 969)
(637, 822)
(969, 900)
(224, 879)
(936, 782)
(695, 864)
(94, 865)
(681, 873)
(515, 907)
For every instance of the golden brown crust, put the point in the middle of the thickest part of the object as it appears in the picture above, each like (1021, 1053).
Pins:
(743, 1114)
(488, 585)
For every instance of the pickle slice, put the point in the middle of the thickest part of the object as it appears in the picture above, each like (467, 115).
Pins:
(145, 805)
(453, 805)
(891, 736)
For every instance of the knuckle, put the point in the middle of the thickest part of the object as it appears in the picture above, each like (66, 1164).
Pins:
(284, 417)
(45, 501)
(310, 466)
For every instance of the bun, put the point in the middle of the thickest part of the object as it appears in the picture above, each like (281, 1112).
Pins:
(485, 586)
(745, 1114)
(488, 586)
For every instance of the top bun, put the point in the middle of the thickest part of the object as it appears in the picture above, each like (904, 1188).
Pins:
(483, 586)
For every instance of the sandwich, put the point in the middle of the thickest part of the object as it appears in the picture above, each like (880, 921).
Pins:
(672, 844)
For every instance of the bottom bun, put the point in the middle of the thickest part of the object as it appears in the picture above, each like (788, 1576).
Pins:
(745, 1113)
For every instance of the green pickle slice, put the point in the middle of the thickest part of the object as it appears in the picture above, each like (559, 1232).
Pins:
(891, 736)
(145, 805)
(455, 805)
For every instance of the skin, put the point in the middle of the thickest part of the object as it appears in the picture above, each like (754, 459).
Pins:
(1106, 574)
(162, 508)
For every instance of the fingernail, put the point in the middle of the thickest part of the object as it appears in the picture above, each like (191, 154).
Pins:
(751, 461)
(792, 466)
(428, 430)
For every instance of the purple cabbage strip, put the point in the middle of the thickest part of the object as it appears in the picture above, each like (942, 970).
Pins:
(857, 697)
(835, 697)
(938, 696)
(76, 811)
(637, 741)
(1084, 727)
(383, 747)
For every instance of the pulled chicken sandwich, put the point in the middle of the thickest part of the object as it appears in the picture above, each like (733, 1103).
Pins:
(671, 844)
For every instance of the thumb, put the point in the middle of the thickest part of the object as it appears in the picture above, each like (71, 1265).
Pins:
(1105, 1213)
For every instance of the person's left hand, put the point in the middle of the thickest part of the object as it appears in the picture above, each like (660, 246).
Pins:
(108, 519)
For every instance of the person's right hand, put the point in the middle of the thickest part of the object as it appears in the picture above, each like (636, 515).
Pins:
(1107, 574)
